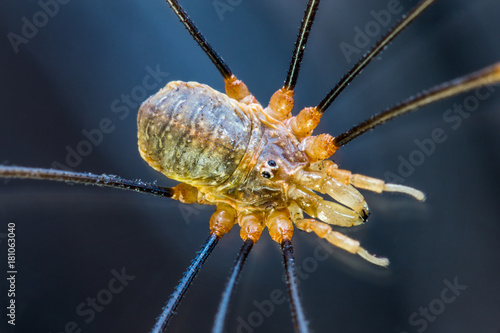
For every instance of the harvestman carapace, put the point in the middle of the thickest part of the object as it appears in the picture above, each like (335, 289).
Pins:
(268, 175)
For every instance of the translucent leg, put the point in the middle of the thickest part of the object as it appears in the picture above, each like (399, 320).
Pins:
(340, 240)
(347, 195)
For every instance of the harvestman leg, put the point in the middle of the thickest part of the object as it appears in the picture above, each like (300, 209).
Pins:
(230, 286)
(185, 282)
(87, 178)
(298, 316)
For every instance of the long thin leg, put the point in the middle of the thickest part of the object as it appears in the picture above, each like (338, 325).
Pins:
(220, 317)
(184, 283)
(307, 120)
(300, 44)
(281, 103)
(298, 316)
(234, 88)
(200, 39)
(370, 55)
(87, 179)
(486, 76)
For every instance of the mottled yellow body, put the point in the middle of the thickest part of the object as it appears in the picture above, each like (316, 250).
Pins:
(193, 134)
(260, 166)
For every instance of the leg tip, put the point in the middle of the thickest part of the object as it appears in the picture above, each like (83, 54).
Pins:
(384, 262)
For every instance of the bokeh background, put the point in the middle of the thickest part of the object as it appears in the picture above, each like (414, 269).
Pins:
(69, 239)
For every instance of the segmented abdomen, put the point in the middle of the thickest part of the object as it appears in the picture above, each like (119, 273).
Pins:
(192, 133)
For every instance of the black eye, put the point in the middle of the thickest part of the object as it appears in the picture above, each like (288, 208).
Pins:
(266, 174)
(271, 163)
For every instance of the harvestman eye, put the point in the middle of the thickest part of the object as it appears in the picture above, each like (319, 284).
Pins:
(225, 171)
(271, 163)
(267, 174)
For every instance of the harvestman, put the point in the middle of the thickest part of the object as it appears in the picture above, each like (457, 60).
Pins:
(261, 185)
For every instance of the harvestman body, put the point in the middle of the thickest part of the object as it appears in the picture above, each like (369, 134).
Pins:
(259, 165)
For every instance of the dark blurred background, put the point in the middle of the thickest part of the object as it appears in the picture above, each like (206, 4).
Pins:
(73, 72)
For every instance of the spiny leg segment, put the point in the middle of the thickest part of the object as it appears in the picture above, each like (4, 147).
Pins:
(300, 45)
(487, 76)
(372, 53)
(298, 316)
(87, 178)
(234, 88)
(230, 286)
(185, 282)
(281, 103)
(200, 39)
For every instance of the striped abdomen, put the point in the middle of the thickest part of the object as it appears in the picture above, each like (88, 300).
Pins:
(192, 133)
